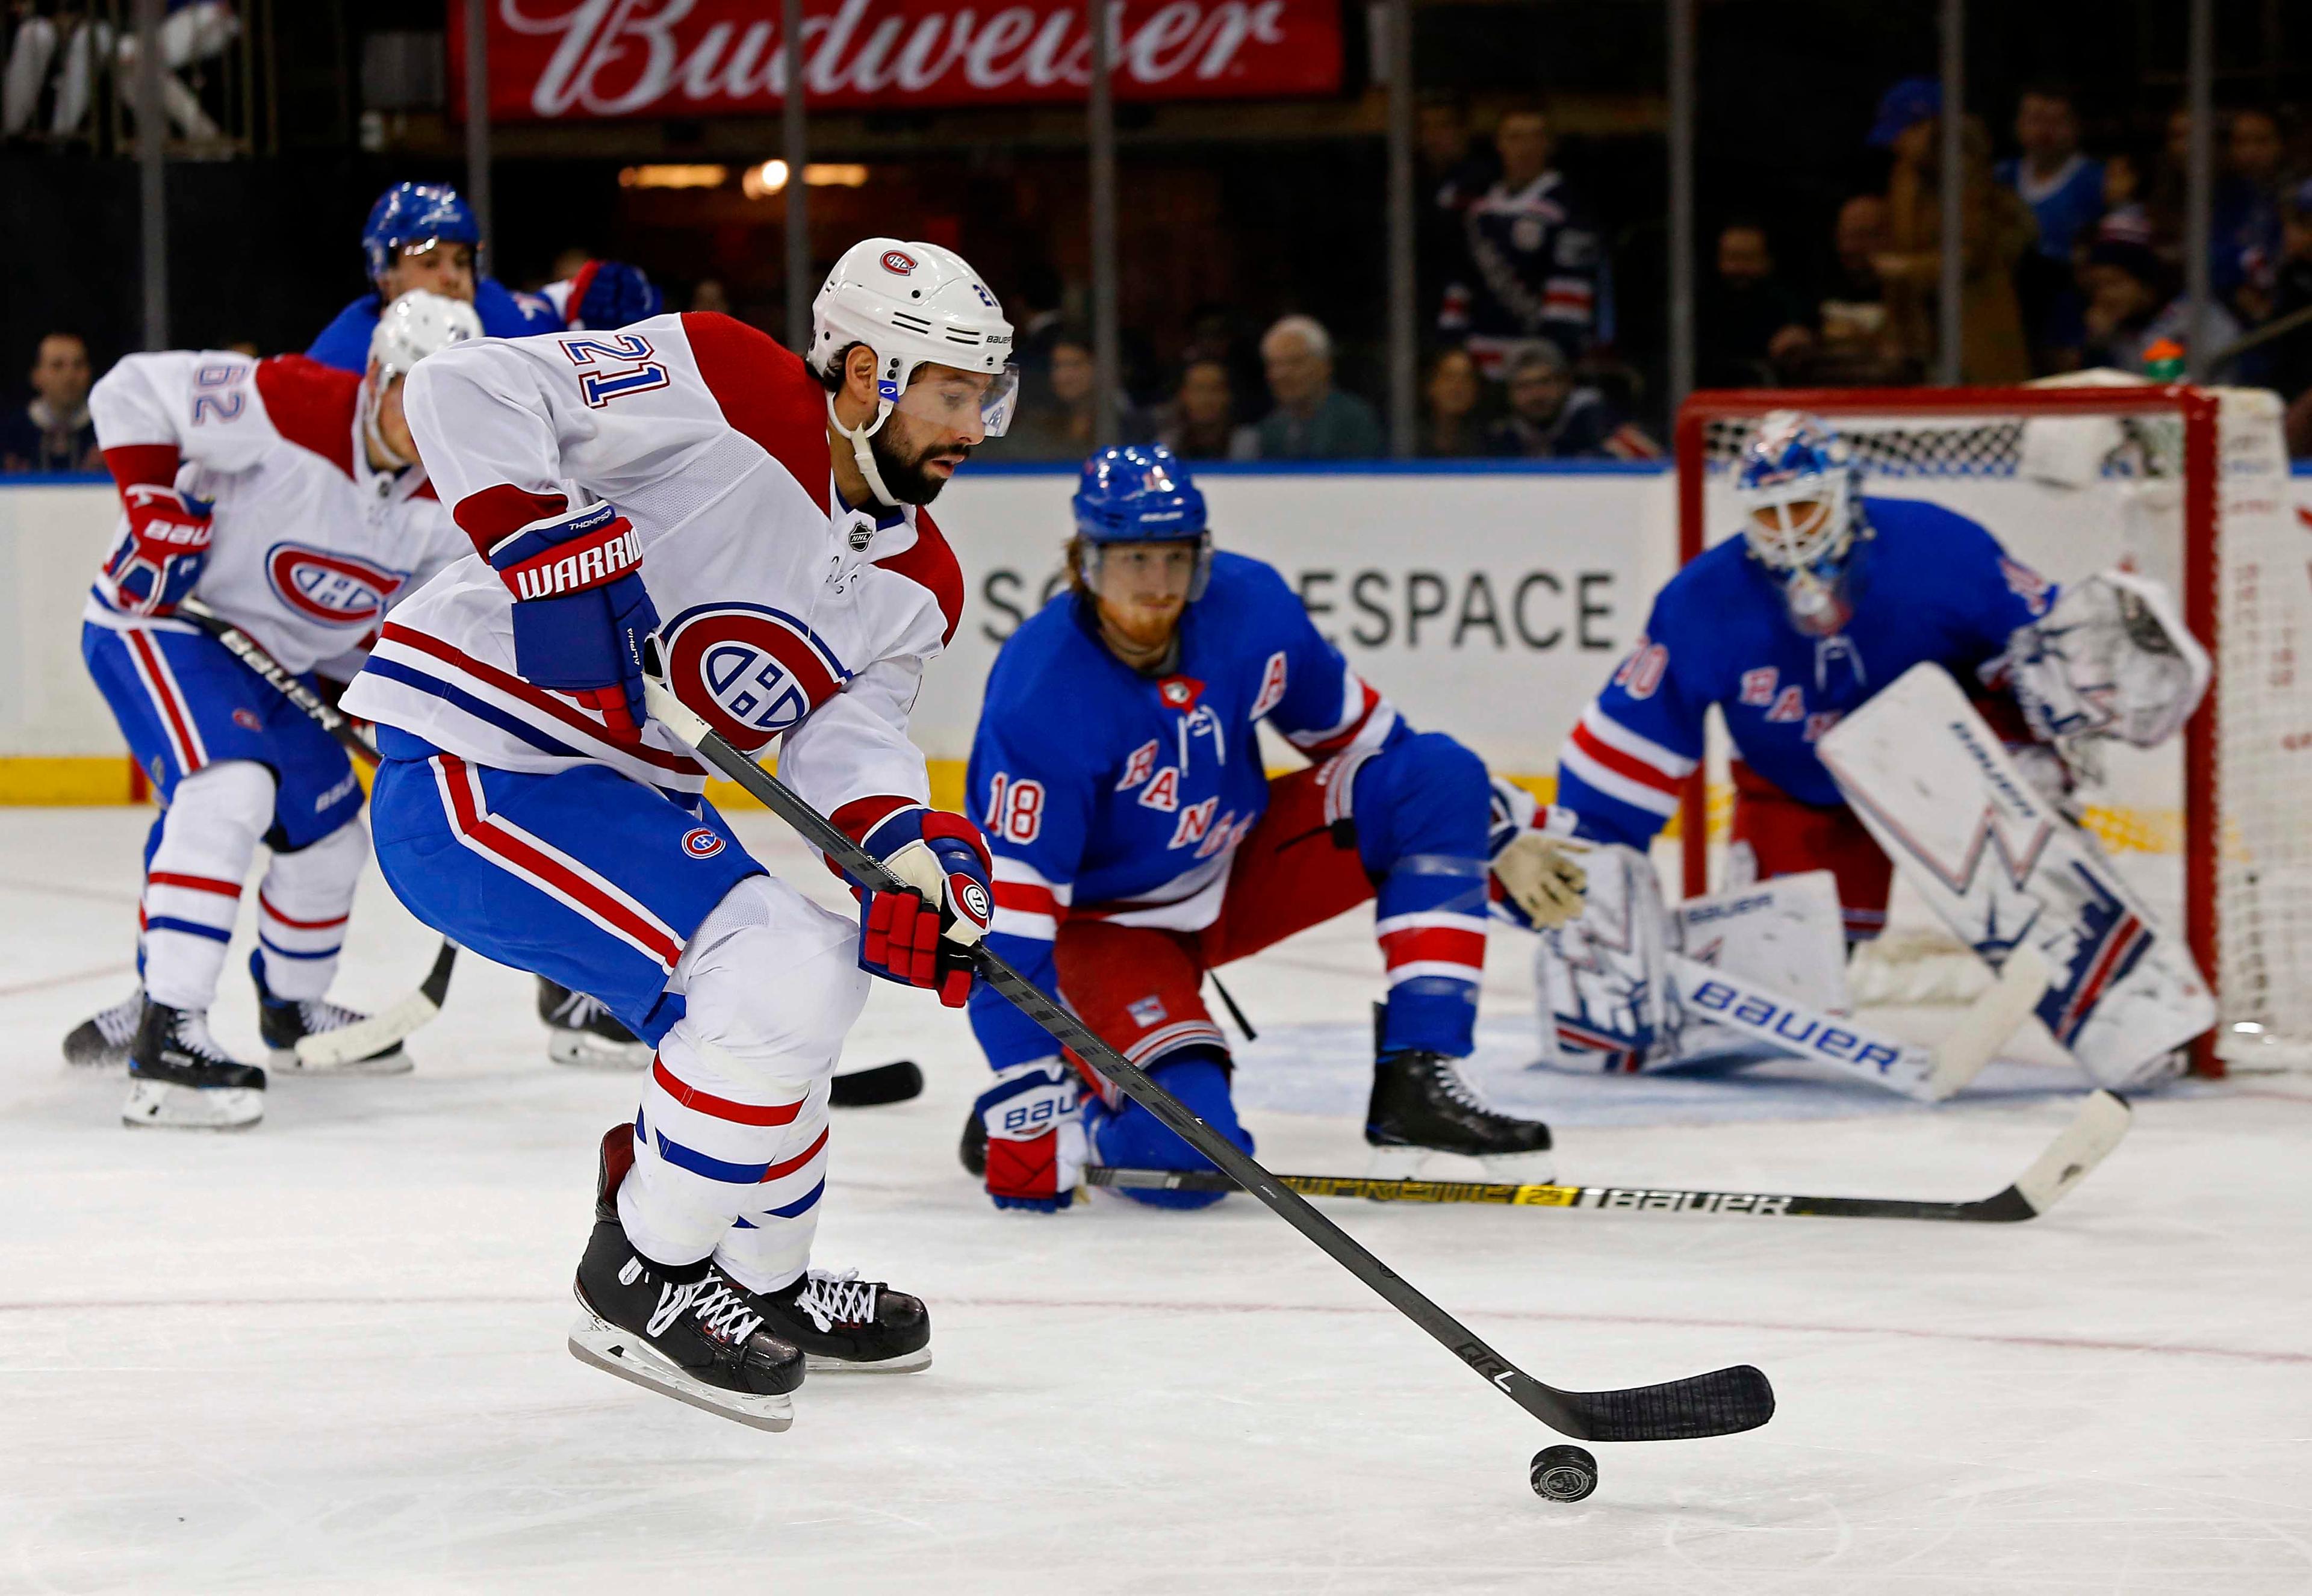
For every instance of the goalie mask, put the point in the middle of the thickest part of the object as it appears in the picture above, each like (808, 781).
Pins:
(916, 306)
(2111, 658)
(1796, 488)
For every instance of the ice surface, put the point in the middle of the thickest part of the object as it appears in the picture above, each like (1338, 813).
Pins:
(326, 1354)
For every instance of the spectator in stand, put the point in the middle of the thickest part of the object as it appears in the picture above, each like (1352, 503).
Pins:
(53, 432)
(1059, 423)
(2247, 232)
(1550, 419)
(1996, 230)
(711, 295)
(1199, 422)
(2290, 354)
(1313, 419)
(2064, 192)
(2131, 303)
(1533, 264)
(1754, 329)
(1042, 322)
(2126, 219)
(1453, 425)
(1854, 345)
(1454, 168)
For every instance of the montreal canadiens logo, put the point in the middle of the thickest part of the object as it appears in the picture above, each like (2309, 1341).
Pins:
(334, 588)
(898, 262)
(974, 898)
(748, 671)
(701, 843)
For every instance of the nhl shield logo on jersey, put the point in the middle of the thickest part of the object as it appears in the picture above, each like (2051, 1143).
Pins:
(334, 589)
(1180, 692)
(751, 671)
(700, 843)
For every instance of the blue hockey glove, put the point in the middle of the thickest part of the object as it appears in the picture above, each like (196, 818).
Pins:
(581, 611)
(161, 558)
(1035, 1136)
(1128, 1136)
(611, 294)
(923, 936)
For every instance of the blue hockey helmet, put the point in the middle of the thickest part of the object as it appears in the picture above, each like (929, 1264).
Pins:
(415, 213)
(1140, 493)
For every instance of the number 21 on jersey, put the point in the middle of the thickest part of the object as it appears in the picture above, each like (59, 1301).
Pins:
(612, 365)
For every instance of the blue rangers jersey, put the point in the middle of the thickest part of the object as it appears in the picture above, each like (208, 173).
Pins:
(1926, 585)
(343, 343)
(1107, 792)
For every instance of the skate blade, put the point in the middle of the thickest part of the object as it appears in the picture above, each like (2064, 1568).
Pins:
(1396, 1163)
(171, 1106)
(905, 1363)
(1520, 1169)
(286, 1061)
(577, 1051)
(617, 1352)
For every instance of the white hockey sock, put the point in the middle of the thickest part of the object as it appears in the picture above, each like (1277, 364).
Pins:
(302, 908)
(192, 888)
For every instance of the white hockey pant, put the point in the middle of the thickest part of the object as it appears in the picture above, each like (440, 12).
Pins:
(731, 1141)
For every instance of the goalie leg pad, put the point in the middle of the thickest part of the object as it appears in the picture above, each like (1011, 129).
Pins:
(2004, 870)
(1604, 1002)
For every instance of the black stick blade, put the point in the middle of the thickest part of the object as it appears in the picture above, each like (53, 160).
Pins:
(893, 1082)
(1722, 1402)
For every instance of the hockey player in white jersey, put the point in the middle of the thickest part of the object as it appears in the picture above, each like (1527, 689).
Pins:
(688, 479)
(287, 497)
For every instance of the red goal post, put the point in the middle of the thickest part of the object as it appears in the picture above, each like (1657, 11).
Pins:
(1908, 441)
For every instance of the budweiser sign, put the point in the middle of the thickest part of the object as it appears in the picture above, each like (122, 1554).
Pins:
(573, 60)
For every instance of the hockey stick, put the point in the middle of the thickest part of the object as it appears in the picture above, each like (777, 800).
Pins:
(898, 1081)
(332, 1050)
(2093, 1131)
(1718, 1403)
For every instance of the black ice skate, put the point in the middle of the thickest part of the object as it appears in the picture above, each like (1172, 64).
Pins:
(686, 1332)
(282, 1021)
(102, 1040)
(1421, 1105)
(582, 1033)
(846, 1325)
(179, 1076)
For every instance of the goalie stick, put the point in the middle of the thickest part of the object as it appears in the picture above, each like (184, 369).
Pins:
(1720, 1403)
(330, 1050)
(2090, 1136)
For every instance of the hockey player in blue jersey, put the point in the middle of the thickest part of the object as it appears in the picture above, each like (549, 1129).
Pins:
(1138, 843)
(1825, 598)
(422, 235)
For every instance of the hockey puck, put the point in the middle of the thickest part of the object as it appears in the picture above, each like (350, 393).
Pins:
(1563, 1473)
(893, 1082)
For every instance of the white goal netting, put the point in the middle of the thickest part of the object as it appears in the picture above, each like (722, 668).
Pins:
(2188, 486)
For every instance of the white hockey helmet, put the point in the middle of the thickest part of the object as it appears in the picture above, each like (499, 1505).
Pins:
(414, 325)
(915, 305)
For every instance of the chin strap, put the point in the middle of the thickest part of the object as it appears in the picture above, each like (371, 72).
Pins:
(860, 452)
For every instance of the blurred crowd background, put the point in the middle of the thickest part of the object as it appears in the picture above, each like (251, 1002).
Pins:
(1252, 281)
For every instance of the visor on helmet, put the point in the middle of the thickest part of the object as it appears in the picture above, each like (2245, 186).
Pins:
(956, 400)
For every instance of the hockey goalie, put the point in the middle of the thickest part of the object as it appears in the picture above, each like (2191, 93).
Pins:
(1833, 636)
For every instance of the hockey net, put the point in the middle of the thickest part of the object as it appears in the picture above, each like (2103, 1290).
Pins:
(2184, 484)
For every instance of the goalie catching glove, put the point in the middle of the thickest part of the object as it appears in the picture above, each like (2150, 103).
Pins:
(923, 936)
(1537, 880)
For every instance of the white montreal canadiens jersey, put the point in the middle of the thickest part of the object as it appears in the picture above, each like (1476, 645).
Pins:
(783, 613)
(309, 546)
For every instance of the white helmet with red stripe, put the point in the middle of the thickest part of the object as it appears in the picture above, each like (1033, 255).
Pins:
(913, 304)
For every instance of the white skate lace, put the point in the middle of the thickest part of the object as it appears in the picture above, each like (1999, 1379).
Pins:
(577, 1011)
(319, 1016)
(118, 1024)
(192, 1035)
(721, 1311)
(838, 1299)
(1462, 1093)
